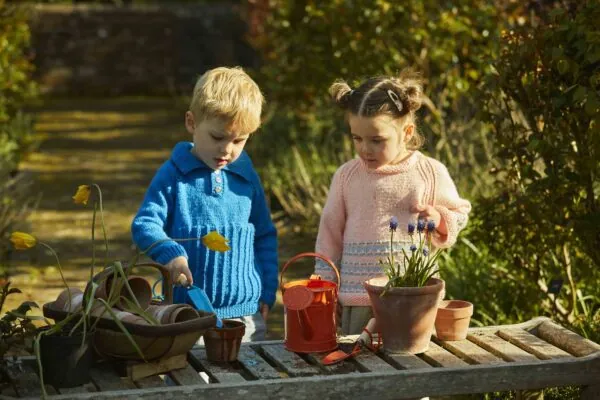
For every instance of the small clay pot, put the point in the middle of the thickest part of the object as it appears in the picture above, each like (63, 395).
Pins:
(452, 320)
(223, 344)
(139, 286)
(62, 301)
(172, 313)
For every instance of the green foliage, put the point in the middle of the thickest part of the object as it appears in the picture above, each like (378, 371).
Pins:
(16, 327)
(544, 105)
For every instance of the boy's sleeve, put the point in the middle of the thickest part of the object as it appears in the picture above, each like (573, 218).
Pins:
(331, 229)
(265, 244)
(453, 209)
(148, 226)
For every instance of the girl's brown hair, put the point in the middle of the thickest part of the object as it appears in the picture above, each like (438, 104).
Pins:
(398, 97)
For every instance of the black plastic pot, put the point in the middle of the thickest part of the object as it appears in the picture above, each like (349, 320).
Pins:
(65, 361)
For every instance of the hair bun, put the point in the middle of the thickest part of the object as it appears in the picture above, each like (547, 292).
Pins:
(410, 84)
(340, 93)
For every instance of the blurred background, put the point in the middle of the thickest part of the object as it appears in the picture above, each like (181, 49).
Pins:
(96, 92)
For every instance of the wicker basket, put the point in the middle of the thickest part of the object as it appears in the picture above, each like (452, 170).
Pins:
(155, 341)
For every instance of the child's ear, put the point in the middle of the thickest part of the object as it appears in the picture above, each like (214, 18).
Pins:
(190, 123)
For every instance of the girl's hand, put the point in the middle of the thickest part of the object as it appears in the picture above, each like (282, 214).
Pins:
(264, 310)
(179, 266)
(429, 213)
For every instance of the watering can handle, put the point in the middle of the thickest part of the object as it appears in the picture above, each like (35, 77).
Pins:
(316, 255)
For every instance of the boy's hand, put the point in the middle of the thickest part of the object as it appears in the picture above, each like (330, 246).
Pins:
(429, 213)
(179, 266)
(264, 310)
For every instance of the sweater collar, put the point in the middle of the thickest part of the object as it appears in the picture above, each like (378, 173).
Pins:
(186, 161)
(403, 166)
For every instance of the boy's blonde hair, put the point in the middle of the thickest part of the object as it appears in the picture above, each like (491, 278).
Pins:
(229, 94)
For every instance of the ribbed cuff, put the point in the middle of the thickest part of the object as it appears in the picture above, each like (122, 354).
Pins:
(169, 252)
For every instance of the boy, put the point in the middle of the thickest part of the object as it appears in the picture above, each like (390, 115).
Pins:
(211, 185)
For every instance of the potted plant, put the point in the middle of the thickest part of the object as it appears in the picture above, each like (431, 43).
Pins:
(17, 331)
(112, 298)
(406, 298)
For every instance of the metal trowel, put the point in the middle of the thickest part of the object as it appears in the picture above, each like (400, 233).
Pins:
(197, 297)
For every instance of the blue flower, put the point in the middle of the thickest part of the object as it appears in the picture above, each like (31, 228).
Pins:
(431, 226)
(413, 247)
(411, 228)
(393, 223)
(421, 225)
(425, 251)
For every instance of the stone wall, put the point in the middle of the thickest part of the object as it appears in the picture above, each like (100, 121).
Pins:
(150, 50)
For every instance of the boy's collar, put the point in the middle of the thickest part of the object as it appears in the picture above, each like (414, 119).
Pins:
(186, 162)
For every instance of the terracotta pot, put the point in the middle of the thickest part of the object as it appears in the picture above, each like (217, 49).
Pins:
(452, 321)
(172, 313)
(139, 286)
(223, 344)
(62, 301)
(405, 315)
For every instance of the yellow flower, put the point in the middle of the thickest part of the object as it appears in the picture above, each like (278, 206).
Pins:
(22, 240)
(83, 194)
(214, 241)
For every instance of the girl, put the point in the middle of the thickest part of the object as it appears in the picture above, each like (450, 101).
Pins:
(390, 177)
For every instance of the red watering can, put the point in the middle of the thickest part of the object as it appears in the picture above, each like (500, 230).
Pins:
(310, 310)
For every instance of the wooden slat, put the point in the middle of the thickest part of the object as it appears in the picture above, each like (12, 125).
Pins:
(106, 378)
(500, 347)
(442, 358)
(255, 365)
(139, 370)
(566, 340)
(405, 361)
(87, 388)
(187, 376)
(343, 367)
(532, 344)
(150, 382)
(369, 362)
(288, 361)
(470, 352)
(219, 372)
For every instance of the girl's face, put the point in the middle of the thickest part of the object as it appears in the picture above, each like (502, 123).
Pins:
(216, 143)
(380, 140)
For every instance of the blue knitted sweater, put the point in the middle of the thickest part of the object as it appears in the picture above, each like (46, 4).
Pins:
(187, 199)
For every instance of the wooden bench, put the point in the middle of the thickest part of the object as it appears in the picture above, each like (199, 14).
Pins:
(532, 355)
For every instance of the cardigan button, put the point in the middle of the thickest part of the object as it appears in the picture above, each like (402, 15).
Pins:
(218, 179)
(218, 189)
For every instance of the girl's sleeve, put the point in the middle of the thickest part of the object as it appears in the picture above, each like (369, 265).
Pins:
(265, 244)
(148, 226)
(453, 209)
(331, 228)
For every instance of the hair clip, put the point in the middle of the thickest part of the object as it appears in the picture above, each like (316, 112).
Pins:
(395, 99)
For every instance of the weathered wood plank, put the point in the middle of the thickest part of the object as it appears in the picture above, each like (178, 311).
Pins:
(150, 382)
(288, 361)
(106, 378)
(531, 343)
(530, 326)
(500, 347)
(405, 361)
(255, 365)
(388, 385)
(566, 339)
(87, 388)
(439, 357)
(139, 370)
(470, 352)
(343, 367)
(218, 372)
(370, 362)
(187, 376)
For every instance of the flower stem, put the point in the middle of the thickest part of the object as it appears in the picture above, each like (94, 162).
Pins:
(102, 221)
(60, 271)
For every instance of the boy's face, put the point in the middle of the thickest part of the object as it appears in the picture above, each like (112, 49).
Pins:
(216, 142)
(379, 140)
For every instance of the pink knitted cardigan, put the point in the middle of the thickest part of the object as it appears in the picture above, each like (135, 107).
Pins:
(354, 230)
